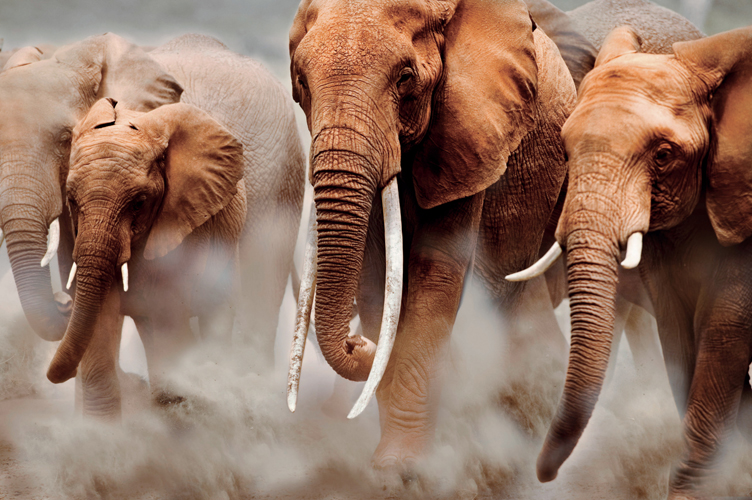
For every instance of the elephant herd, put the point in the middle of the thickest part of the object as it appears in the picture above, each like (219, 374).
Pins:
(449, 139)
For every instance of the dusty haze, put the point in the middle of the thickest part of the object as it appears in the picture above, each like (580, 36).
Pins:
(233, 437)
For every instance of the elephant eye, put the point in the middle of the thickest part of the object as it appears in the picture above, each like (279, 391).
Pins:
(138, 203)
(302, 82)
(663, 154)
(405, 76)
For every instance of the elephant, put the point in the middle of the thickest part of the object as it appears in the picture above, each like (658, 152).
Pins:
(658, 149)
(466, 159)
(40, 103)
(187, 206)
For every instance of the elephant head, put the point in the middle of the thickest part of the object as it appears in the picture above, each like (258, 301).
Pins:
(40, 103)
(651, 134)
(438, 92)
(138, 182)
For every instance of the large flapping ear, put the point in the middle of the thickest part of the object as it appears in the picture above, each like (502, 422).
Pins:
(22, 57)
(485, 104)
(203, 164)
(122, 71)
(724, 63)
(100, 115)
(578, 53)
(622, 40)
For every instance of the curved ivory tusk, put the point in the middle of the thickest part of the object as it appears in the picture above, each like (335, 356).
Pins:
(53, 243)
(303, 314)
(71, 276)
(539, 267)
(2, 237)
(124, 271)
(392, 294)
(634, 251)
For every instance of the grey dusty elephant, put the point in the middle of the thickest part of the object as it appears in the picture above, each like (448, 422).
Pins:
(43, 101)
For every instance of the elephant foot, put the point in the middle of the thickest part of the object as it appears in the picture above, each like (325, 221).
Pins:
(395, 477)
(396, 456)
(134, 392)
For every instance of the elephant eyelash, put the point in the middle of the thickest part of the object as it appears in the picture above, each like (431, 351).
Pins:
(302, 83)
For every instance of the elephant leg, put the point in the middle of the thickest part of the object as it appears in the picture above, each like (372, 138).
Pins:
(265, 260)
(744, 418)
(441, 252)
(165, 339)
(100, 388)
(643, 342)
(724, 324)
(674, 314)
(623, 308)
(217, 323)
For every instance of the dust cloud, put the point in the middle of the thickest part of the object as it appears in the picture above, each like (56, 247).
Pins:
(232, 436)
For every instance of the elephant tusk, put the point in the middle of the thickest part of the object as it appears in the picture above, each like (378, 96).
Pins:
(53, 243)
(303, 314)
(71, 276)
(124, 271)
(539, 267)
(2, 237)
(392, 294)
(634, 251)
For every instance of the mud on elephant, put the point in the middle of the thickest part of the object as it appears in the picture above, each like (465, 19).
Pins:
(660, 145)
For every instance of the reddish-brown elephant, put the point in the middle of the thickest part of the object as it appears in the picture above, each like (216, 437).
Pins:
(660, 146)
(416, 109)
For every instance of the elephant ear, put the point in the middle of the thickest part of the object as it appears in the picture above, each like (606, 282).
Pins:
(123, 71)
(622, 40)
(485, 103)
(203, 164)
(22, 57)
(724, 63)
(578, 53)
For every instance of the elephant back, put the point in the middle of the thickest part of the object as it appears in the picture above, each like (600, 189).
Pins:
(658, 27)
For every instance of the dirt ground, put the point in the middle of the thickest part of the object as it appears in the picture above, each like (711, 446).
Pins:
(233, 438)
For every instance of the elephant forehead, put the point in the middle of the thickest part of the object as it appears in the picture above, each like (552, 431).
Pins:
(657, 78)
(353, 37)
(119, 143)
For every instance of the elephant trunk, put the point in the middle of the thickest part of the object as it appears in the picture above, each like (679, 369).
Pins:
(25, 228)
(592, 256)
(344, 187)
(96, 256)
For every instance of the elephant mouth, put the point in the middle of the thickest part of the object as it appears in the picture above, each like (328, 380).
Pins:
(64, 303)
